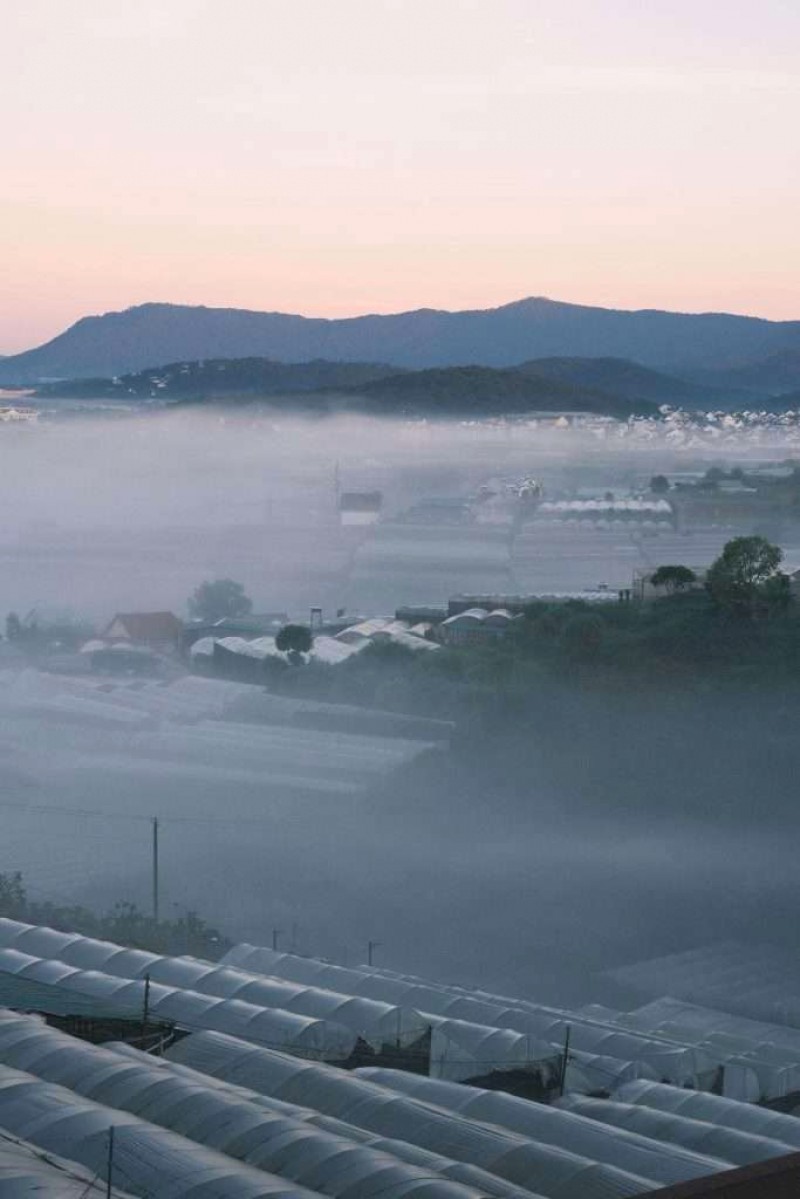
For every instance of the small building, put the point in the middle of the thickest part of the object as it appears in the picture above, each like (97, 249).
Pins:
(160, 631)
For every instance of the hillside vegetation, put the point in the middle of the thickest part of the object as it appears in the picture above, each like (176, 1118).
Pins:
(356, 386)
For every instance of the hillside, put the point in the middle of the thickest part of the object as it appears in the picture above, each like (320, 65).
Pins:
(482, 391)
(353, 386)
(775, 375)
(223, 378)
(121, 342)
(626, 379)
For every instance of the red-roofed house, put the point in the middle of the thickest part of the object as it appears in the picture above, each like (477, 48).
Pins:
(158, 630)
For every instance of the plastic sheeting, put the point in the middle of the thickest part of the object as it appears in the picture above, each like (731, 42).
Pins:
(551, 1126)
(770, 1051)
(714, 1109)
(541, 1168)
(275, 1141)
(595, 1047)
(55, 986)
(736, 1148)
(435, 1163)
(374, 1021)
(147, 1160)
(27, 1173)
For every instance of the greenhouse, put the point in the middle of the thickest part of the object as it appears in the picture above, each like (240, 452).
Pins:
(373, 1021)
(437, 1163)
(52, 986)
(661, 1057)
(737, 1148)
(26, 1172)
(714, 1109)
(275, 1141)
(146, 1159)
(552, 1126)
(542, 1168)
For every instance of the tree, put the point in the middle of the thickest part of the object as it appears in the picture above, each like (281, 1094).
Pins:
(746, 571)
(14, 628)
(219, 598)
(673, 578)
(294, 639)
(659, 484)
(13, 900)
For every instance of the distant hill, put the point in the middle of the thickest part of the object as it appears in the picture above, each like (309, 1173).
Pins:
(354, 386)
(223, 378)
(482, 391)
(774, 375)
(625, 379)
(123, 342)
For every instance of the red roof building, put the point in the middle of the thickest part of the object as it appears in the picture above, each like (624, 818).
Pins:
(158, 630)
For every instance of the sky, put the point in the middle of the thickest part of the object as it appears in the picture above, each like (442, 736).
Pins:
(380, 155)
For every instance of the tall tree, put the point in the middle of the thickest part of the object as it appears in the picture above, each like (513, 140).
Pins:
(219, 598)
(746, 572)
(673, 578)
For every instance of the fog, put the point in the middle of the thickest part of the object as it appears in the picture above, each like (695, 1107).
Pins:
(611, 832)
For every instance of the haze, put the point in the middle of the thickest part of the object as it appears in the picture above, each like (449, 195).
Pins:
(375, 156)
(615, 829)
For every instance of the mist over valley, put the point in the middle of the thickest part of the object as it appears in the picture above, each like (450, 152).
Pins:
(603, 818)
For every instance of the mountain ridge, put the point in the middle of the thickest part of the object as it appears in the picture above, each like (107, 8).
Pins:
(115, 343)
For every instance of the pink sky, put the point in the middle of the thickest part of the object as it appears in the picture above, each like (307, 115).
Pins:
(333, 158)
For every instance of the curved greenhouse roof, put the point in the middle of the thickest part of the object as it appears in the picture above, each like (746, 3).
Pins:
(736, 1148)
(542, 1168)
(275, 1141)
(54, 986)
(551, 1126)
(598, 1044)
(436, 1163)
(715, 1109)
(371, 1019)
(147, 1160)
(26, 1171)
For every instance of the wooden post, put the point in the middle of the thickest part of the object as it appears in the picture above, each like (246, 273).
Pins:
(110, 1161)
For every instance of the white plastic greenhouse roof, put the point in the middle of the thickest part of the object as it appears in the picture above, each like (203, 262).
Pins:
(633, 1051)
(371, 1019)
(771, 1052)
(147, 1160)
(714, 1109)
(471, 1176)
(65, 989)
(275, 1141)
(27, 1172)
(541, 1168)
(551, 1126)
(201, 729)
(732, 1146)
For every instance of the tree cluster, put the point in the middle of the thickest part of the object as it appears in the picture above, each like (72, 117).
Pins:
(125, 923)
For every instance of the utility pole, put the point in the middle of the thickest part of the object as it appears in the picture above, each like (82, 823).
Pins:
(110, 1161)
(146, 1005)
(155, 869)
(562, 1080)
(276, 932)
(371, 947)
